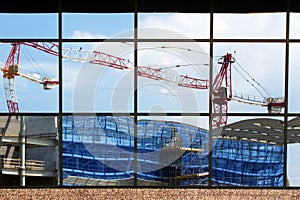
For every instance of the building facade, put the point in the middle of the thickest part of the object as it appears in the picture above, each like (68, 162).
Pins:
(99, 150)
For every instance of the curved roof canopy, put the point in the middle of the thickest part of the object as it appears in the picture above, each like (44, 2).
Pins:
(263, 130)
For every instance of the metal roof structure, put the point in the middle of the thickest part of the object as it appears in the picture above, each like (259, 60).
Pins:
(264, 130)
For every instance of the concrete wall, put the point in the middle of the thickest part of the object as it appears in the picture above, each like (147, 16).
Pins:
(9, 125)
(41, 125)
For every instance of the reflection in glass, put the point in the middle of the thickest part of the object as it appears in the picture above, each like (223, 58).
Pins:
(98, 77)
(179, 25)
(294, 26)
(173, 77)
(249, 153)
(294, 80)
(88, 26)
(254, 82)
(98, 150)
(293, 149)
(29, 154)
(29, 26)
(250, 26)
(30, 76)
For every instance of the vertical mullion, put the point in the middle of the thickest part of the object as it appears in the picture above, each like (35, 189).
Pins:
(60, 92)
(135, 93)
(286, 92)
(210, 94)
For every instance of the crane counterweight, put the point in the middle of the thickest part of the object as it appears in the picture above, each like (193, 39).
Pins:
(50, 83)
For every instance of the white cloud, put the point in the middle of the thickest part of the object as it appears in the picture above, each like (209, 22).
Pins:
(79, 34)
(294, 25)
(189, 25)
(262, 25)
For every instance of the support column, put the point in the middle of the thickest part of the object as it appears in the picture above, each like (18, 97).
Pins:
(22, 151)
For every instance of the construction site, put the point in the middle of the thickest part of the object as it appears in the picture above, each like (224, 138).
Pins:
(99, 151)
(123, 151)
(29, 151)
(106, 151)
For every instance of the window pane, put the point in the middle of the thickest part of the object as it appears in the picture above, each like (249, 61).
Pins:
(84, 25)
(32, 81)
(179, 25)
(98, 151)
(294, 26)
(249, 152)
(294, 81)
(293, 151)
(40, 152)
(29, 25)
(262, 25)
(172, 151)
(257, 76)
(103, 79)
(173, 77)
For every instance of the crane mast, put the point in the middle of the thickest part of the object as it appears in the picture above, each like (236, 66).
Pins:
(9, 69)
(221, 94)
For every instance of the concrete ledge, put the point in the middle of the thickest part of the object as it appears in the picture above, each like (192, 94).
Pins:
(138, 194)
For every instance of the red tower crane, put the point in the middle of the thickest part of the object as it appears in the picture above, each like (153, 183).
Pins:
(11, 70)
(221, 88)
(222, 93)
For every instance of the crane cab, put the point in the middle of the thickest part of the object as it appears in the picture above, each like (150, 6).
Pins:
(11, 71)
(224, 92)
(50, 83)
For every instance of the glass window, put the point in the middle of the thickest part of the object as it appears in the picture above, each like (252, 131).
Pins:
(38, 154)
(294, 81)
(102, 73)
(29, 25)
(255, 75)
(249, 152)
(88, 26)
(172, 151)
(147, 91)
(250, 26)
(173, 25)
(173, 77)
(30, 77)
(294, 23)
(293, 176)
(108, 161)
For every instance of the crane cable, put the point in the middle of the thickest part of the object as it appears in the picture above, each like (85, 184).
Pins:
(34, 63)
(252, 79)
(250, 83)
(168, 47)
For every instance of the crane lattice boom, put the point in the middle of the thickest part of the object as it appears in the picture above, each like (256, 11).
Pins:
(221, 88)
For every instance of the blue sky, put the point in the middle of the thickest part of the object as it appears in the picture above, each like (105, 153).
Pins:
(268, 58)
(264, 61)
